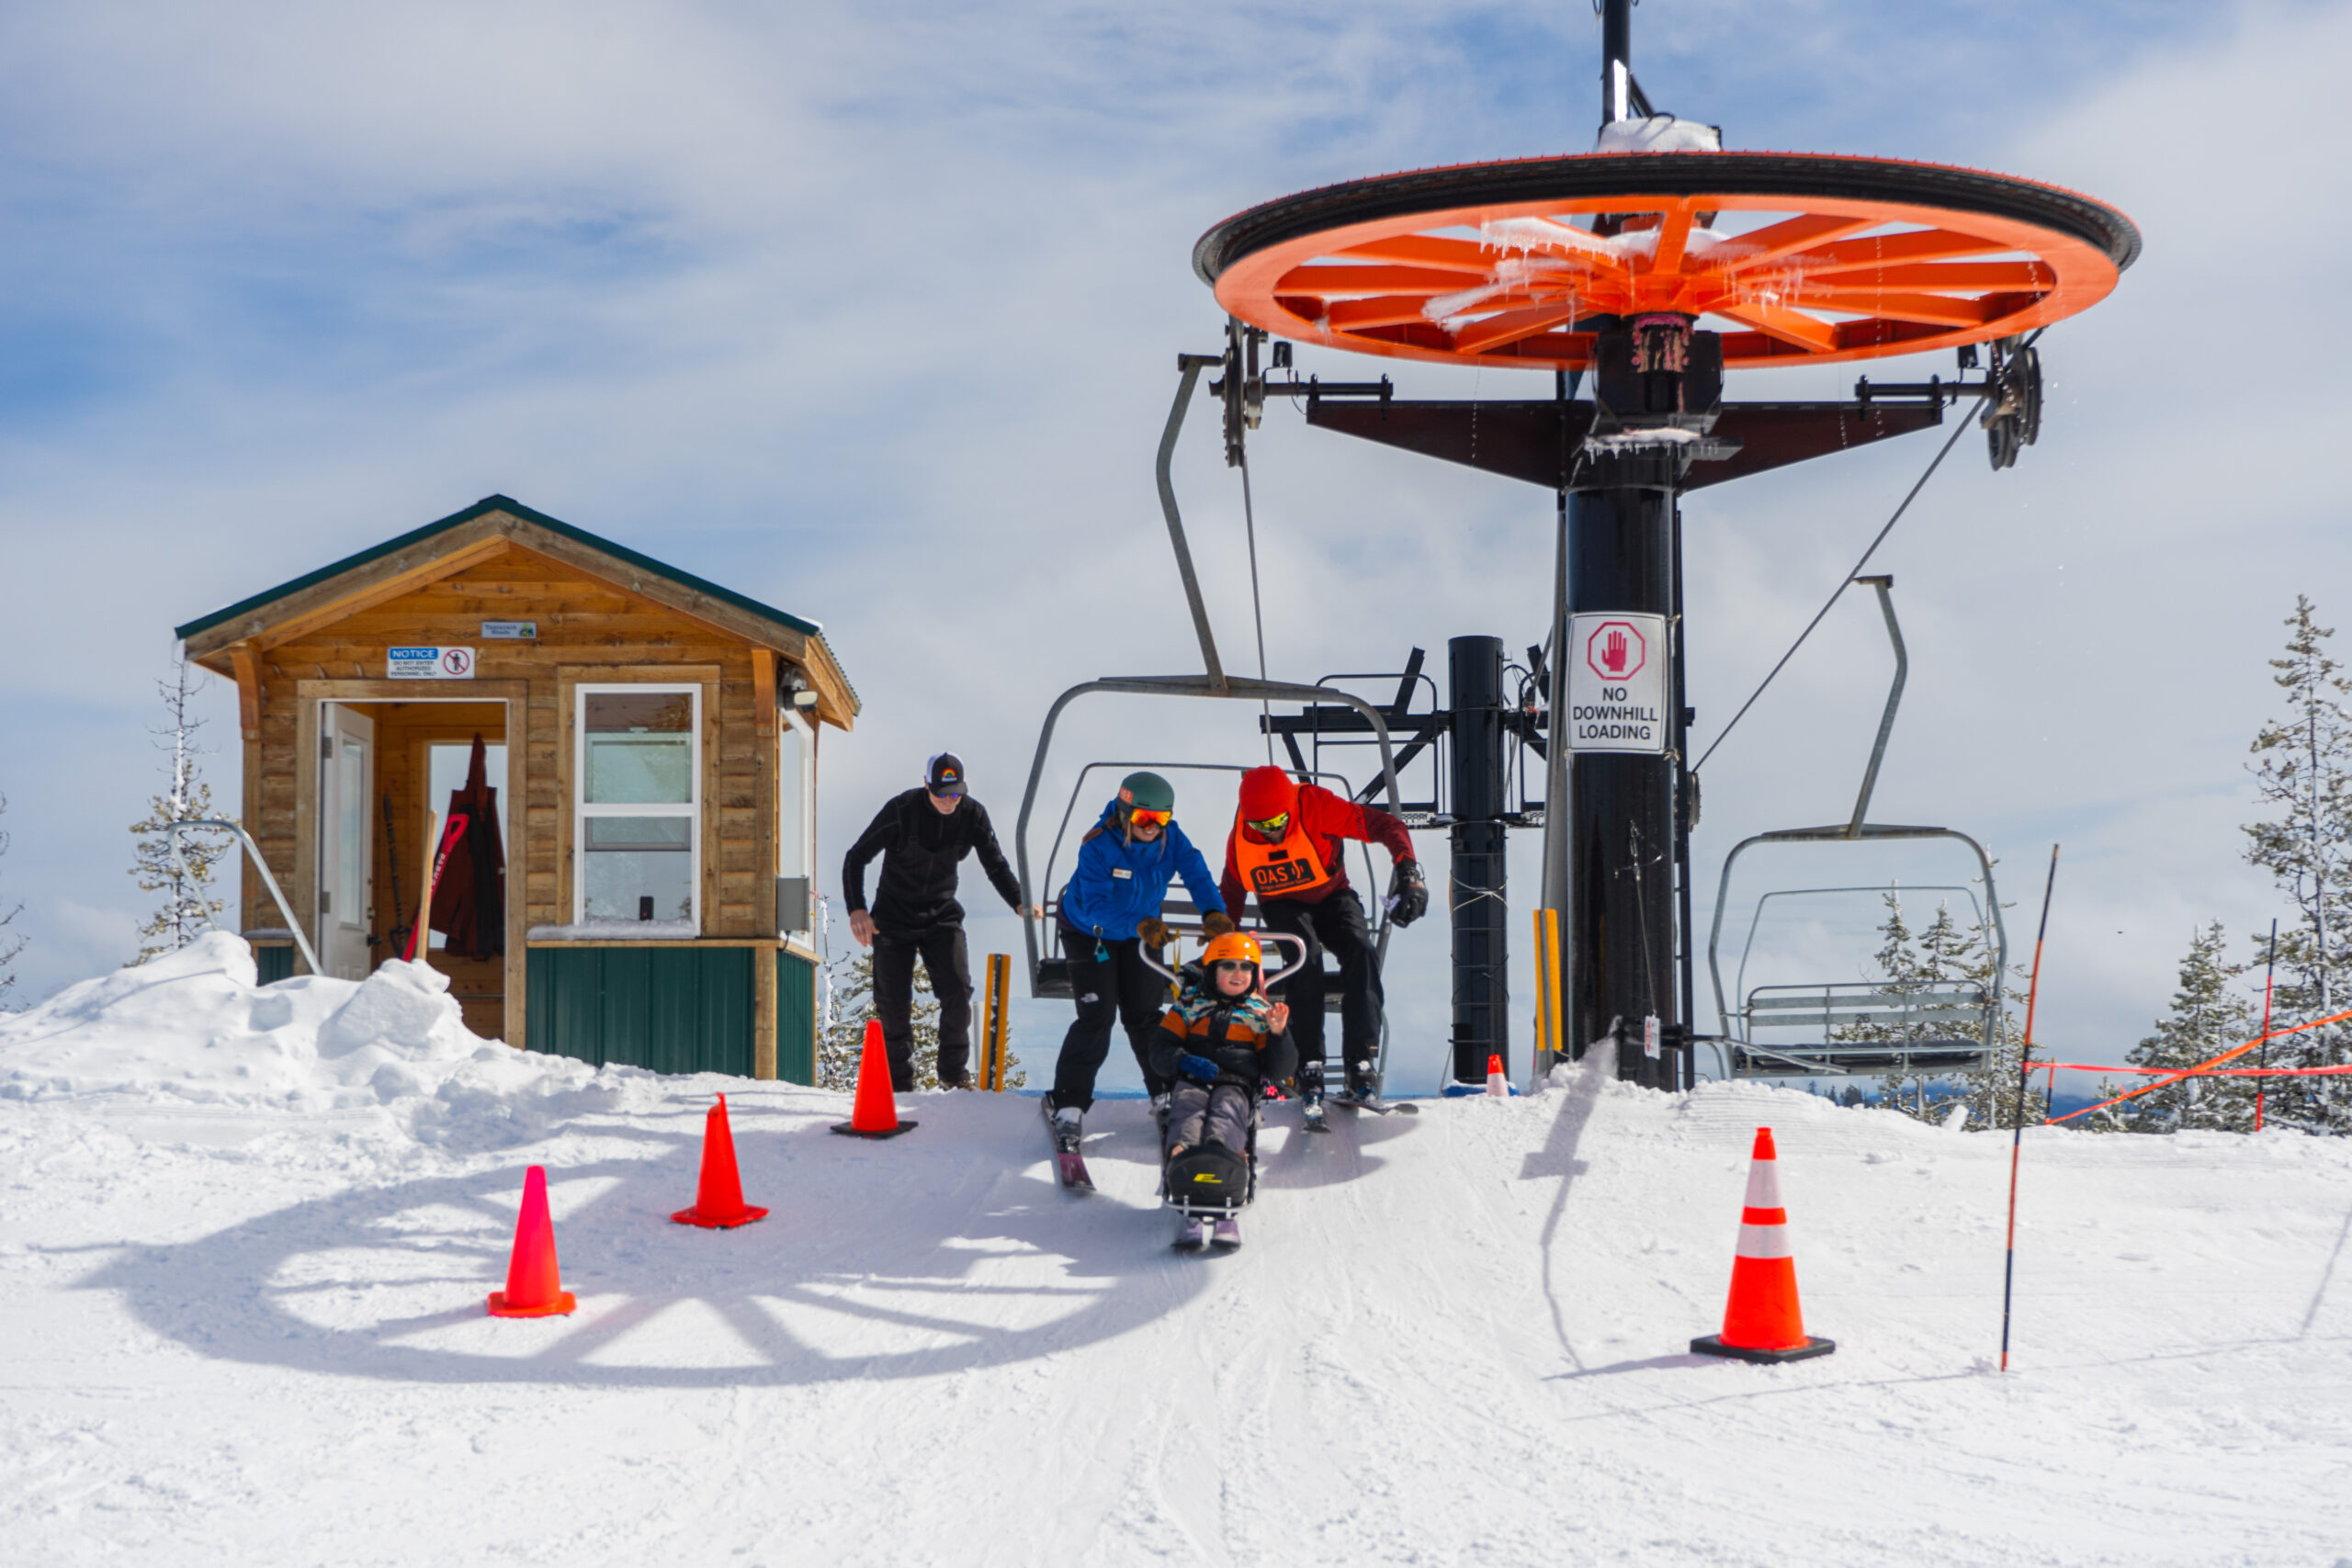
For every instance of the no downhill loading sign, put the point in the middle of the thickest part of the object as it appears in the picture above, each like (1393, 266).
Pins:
(1617, 686)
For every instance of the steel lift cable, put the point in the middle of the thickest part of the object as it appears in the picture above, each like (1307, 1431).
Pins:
(1844, 583)
(1848, 581)
(1257, 610)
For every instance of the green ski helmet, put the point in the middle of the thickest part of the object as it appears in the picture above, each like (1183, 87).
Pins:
(1145, 792)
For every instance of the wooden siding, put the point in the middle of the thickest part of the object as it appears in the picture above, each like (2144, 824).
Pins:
(589, 629)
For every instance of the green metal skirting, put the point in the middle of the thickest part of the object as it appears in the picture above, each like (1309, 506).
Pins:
(673, 1009)
(272, 965)
(796, 1017)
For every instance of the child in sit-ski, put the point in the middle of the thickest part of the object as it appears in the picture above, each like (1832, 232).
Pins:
(1222, 1042)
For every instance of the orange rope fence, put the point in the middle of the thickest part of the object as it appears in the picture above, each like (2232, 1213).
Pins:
(2202, 1067)
(2190, 1072)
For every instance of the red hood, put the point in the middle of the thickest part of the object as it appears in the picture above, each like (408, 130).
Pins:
(1267, 792)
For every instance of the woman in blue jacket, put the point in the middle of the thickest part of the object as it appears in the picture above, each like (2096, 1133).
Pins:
(1111, 906)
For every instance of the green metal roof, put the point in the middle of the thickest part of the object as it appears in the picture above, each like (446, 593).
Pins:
(516, 509)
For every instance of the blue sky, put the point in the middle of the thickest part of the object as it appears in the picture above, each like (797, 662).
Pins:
(869, 311)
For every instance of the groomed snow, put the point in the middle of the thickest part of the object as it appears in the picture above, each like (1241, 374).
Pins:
(245, 1235)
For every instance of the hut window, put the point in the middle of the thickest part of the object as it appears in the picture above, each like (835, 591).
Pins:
(640, 770)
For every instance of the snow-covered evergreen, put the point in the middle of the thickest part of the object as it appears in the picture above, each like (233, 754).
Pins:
(2210, 1014)
(187, 902)
(2304, 774)
(1942, 951)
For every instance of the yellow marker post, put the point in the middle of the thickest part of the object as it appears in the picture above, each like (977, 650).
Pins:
(1549, 1034)
(994, 1024)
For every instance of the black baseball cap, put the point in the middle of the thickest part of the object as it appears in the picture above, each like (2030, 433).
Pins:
(944, 774)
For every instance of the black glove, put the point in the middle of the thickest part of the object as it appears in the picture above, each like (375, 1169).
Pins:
(1408, 894)
(1153, 931)
(1200, 1069)
(1217, 923)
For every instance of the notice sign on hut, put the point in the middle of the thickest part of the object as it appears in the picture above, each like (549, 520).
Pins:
(1617, 689)
(430, 664)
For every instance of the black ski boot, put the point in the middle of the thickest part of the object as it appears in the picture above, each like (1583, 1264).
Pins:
(1310, 1097)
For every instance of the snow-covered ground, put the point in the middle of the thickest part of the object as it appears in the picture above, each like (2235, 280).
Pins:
(245, 1236)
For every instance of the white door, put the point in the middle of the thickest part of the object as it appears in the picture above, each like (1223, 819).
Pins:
(346, 843)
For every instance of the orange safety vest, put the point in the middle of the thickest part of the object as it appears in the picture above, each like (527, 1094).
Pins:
(1274, 871)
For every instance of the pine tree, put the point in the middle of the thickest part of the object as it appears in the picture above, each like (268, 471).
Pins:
(2304, 774)
(841, 1042)
(185, 913)
(2207, 1018)
(1941, 952)
(11, 943)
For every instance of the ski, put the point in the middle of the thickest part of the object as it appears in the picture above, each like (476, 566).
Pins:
(1374, 1104)
(1192, 1235)
(1312, 1111)
(1226, 1234)
(1070, 1165)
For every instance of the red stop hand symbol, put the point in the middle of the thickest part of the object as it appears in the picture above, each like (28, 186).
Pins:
(1614, 651)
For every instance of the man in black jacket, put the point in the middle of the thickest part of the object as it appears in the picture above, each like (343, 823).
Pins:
(920, 835)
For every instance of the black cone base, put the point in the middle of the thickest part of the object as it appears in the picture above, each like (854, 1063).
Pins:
(1713, 1345)
(850, 1130)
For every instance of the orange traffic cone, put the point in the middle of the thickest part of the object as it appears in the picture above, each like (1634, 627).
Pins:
(873, 1113)
(718, 1202)
(534, 1284)
(1761, 1322)
(1498, 1083)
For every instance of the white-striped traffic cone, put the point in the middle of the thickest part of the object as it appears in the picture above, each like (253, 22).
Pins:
(1761, 1320)
(1497, 1084)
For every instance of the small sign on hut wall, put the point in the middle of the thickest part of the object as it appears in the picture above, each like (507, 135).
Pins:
(430, 664)
(510, 631)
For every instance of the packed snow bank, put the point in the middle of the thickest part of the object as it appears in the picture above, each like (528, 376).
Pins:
(194, 1029)
(1452, 1340)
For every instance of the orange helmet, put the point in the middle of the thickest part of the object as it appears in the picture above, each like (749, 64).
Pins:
(1234, 947)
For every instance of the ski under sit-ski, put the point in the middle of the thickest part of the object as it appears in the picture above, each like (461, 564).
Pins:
(1205, 1235)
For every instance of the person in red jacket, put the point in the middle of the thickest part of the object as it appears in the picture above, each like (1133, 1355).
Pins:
(1286, 848)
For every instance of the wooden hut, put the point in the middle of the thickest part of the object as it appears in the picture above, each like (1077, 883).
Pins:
(652, 739)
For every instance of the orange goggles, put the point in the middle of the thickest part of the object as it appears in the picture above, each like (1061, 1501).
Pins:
(1151, 819)
(1272, 827)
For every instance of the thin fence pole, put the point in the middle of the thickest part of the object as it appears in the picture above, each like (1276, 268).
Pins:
(2016, 1133)
(2269, 973)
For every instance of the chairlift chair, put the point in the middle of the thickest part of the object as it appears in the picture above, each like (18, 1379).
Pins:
(1048, 967)
(1946, 1026)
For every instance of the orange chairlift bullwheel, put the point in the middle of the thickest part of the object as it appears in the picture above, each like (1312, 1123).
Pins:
(1795, 259)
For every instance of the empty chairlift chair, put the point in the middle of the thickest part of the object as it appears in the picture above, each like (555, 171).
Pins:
(1923, 1028)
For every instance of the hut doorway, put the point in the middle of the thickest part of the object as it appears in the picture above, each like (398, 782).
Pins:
(388, 771)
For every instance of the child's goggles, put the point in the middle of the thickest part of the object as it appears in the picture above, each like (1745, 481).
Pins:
(1142, 819)
(1272, 827)
(1239, 965)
